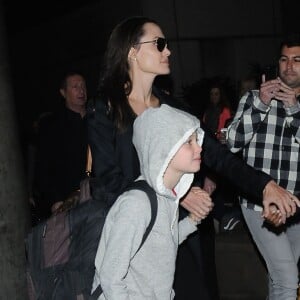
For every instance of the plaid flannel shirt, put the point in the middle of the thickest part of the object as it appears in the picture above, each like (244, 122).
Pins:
(269, 136)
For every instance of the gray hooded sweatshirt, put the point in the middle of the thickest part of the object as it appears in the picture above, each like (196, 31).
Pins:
(158, 134)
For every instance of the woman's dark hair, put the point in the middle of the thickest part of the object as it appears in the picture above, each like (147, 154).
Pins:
(115, 84)
(223, 95)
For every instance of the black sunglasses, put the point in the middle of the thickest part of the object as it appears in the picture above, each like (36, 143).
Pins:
(160, 43)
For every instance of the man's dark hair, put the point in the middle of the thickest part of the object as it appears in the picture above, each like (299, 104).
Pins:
(63, 82)
(291, 40)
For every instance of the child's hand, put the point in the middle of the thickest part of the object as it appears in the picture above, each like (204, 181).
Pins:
(275, 216)
(194, 219)
(198, 203)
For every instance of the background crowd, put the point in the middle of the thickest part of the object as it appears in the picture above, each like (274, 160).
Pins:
(59, 150)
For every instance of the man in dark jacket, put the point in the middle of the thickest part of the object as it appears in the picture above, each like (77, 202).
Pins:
(61, 147)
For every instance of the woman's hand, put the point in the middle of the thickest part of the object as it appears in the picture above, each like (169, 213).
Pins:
(209, 185)
(285, 201)
(198, 203)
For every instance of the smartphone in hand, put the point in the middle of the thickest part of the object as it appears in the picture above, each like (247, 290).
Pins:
(270, 72)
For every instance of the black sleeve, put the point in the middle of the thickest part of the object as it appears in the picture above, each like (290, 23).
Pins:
(46, 182)
(219, 159)
(109, 180)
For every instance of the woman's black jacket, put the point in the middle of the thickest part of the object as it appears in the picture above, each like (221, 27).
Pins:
(116, 165)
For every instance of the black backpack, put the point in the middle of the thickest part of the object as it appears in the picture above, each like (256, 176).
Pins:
(61, 250)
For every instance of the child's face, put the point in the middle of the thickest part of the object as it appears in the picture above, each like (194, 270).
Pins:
(188, 157)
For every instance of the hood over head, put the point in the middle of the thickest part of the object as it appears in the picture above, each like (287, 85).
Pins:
(158, 133)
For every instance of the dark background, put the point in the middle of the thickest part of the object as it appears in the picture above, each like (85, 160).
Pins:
(229, 39)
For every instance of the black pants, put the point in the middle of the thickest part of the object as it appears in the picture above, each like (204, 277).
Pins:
(195, 275)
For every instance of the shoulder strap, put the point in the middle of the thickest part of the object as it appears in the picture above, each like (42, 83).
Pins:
(141, 185)
(144, 186)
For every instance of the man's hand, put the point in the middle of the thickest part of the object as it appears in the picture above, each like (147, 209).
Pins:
(268, 89)
(197, 202)
(284, 200)
(286, 94)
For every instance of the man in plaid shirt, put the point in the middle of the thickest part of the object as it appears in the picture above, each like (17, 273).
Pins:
(266, 128)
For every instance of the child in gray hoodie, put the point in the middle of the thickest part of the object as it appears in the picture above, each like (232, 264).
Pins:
(168, 142)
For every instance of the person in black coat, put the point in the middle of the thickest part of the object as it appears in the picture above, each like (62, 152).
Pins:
(61, 148)
(136, 53)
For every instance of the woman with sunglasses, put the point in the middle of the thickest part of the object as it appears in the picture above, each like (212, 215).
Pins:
(136, 53)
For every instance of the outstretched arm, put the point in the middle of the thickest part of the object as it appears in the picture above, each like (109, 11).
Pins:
(220, 160)
(257, 185)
